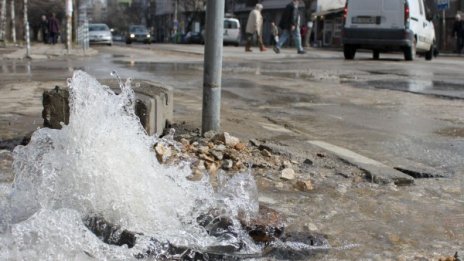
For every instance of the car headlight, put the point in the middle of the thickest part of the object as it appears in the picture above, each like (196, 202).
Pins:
(148, 35)
(132, 35)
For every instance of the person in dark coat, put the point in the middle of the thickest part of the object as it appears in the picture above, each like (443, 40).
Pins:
(290, 24)
(53, 28)
(44, 29)
(458, 33)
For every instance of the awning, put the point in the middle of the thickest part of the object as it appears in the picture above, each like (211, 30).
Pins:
(327, 12)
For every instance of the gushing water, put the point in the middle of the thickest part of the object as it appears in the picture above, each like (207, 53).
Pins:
(102, 164)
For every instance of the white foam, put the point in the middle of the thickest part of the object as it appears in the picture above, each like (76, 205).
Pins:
(102, 163)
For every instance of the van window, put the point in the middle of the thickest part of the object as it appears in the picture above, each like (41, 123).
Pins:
(365, 5)
(421, 7)
(230, 24)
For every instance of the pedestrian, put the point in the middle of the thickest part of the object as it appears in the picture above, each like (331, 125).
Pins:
(458, 33)
(275, 32)
(290, 24)
(44, 28)
(255, 27)
(53, 28)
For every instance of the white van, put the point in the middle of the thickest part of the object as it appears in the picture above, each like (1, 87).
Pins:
(232, 31)
(388, 25)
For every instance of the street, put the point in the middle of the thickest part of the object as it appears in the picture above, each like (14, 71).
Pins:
(407, 115)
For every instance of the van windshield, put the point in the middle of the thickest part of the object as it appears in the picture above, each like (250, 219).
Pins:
(230, 25)
(98, 28)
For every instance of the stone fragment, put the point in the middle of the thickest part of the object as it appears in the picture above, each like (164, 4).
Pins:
(240, 146)
(230, 140)
(220, 147)
(217, 154)
(287, 174)
(267, 226)
(266, 153)
(311, 226)
(239, 165)
(232, 154)
(286, 164)
(209, 134)
(254, 142)
(304, 185)
(227, 164)
(162, 152)
(212, 168)
(203, 149)
(308, 162)
(205, 157)
(184, 142)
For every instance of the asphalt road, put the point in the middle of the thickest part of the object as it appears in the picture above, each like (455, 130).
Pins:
(400, 113)
(403, 114)
(397, 112)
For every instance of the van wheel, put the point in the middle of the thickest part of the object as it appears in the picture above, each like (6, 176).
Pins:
(349, 52)
(429, 54)
(375, 55)
(410, 52)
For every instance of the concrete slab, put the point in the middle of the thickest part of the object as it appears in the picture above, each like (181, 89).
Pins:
(376, 171)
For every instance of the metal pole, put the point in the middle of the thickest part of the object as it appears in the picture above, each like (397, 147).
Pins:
(26, 26)
(212, 74)
(13, 22)
(69, 9)
(444, 29)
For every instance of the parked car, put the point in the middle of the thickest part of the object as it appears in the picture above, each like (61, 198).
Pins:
(117, 35)
(193, 38)
(100, 34)
(138, 33)
(232, 33)
(383, 26)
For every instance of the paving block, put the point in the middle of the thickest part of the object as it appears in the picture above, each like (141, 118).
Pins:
(154, 105)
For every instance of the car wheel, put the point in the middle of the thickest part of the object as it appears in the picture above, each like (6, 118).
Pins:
(349, 52)
(410, 52)
(429, 54)
(128, 42)
(375, 55)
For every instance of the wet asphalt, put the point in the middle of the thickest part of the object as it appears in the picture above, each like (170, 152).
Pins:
(403, 114)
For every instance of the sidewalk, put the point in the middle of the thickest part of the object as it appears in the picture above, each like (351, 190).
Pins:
(45, 51)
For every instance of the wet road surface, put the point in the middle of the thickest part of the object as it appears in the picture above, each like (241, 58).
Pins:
(400, 113)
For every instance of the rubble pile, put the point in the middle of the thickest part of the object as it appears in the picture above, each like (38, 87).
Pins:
(223, 152)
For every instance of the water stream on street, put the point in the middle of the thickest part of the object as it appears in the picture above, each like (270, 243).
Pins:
(102, 164)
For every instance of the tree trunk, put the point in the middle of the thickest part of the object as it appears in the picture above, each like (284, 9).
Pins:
(13, 21)
(3, 22)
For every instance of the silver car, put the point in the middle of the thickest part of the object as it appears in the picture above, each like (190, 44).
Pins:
(100, 34)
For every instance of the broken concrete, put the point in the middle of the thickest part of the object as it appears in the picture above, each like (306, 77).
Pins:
(376, 171)
(154, 105)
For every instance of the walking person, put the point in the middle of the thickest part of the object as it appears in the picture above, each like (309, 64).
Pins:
(458, 33)
(44, 28)
(290, 24)
(53, 28)
(255, 27)
(274, 32)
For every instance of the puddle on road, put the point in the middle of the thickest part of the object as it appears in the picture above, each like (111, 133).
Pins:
(439, 88)
(163, 67)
